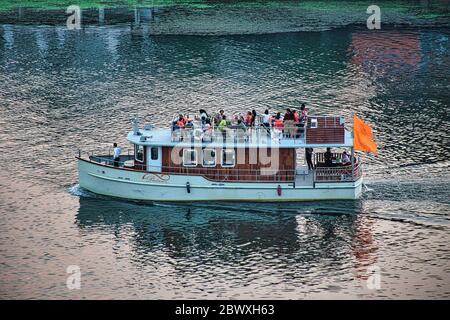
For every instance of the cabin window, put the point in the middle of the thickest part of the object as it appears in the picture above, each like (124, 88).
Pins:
(228, 158)
(189, 157)
(154, 153)
(139, 153)
(209, 157)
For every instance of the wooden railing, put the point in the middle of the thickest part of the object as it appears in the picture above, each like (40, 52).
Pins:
(338, 174)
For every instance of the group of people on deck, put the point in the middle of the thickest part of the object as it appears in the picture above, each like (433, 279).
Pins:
(291, 123)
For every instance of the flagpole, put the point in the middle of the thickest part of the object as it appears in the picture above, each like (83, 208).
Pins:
(352, 157)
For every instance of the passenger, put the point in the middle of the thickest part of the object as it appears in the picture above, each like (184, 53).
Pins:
(308, 156)
(346, 159)
(203, 116)
(223, 124)
(304, 113)
(328, 158)
(180, 122)
(266, 120)
(207, 126)
(296, 116)
(278, 122)
(241, 125)
(116, 155)
(248, 119)
(253, 117)
(187, 119)
(289, 123)
(218, 117)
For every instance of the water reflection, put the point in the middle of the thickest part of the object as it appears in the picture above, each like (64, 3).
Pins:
(295, 236)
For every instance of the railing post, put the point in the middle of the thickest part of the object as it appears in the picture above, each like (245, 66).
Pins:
(352, 158)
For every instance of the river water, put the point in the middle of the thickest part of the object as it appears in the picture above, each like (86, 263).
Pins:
(61, 90)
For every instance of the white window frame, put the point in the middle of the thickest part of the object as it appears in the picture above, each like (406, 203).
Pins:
(136, 148)
(195, 162)
(203, 157)
(234, 158)
(151, 153)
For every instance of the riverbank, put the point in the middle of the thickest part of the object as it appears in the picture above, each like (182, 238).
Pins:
(206, 17)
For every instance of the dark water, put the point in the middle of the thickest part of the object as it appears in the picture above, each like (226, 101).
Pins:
(60, 90)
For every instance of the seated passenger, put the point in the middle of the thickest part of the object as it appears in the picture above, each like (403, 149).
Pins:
(346, 159)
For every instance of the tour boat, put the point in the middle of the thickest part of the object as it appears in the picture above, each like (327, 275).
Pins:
(208, 163)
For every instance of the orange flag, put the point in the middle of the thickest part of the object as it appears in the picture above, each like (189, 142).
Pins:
(363, 136)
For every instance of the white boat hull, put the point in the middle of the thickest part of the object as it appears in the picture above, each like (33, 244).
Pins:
(137, 185)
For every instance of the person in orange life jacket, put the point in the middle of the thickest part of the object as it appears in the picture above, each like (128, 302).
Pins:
(296, 116)
(180, 122)
(278, 122)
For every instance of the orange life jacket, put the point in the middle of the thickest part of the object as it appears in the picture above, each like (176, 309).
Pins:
(279, 123)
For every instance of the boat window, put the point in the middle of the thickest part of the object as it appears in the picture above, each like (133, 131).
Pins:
(189, 157)
(139, 153)
(154, 153)
(228, 158)
(209, 157)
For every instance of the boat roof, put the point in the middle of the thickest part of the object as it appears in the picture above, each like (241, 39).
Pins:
(164, 137)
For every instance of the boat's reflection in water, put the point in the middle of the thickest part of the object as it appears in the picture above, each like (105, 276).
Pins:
(293, 236)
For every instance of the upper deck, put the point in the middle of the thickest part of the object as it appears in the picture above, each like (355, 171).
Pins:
(319, 131)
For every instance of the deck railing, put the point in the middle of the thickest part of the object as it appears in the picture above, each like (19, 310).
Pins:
(320, 174)
(235, 134)
(338, 174)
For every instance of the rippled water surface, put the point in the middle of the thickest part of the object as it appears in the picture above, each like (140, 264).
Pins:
(61, 90)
